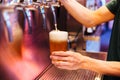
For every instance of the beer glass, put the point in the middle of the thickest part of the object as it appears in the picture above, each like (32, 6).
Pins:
(58, 40)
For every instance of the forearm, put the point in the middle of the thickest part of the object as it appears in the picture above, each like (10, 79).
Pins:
(85, 16)
(103, 67)
(78, 11)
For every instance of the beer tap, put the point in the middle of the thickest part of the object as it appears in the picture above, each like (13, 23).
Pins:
(28, 14)
(54, 16)
(7, 8)
(40, 5)
(43, 15)
(8, 24)
(28, 17)
(22, 7)
(6, 19)
(52, 4)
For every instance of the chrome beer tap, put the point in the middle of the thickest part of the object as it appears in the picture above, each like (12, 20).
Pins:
(27, 14)
(7, 10)
(54, 16)
(52, 4)
(28, 17)
(6, 19)
(42, 10)
(40, 5)
(8, 24)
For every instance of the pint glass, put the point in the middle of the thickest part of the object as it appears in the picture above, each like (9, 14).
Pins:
(58, 40)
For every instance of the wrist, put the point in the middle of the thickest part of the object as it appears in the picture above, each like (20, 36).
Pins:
(93, 64)
(85, 62)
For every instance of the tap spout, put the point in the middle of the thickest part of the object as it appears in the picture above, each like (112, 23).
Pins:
(54, 16)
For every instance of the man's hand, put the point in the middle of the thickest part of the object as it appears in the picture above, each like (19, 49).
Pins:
(67, 60)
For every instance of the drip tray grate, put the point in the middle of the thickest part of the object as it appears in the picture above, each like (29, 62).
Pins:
(53, 73)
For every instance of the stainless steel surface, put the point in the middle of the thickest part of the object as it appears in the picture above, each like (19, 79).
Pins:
(58, 74)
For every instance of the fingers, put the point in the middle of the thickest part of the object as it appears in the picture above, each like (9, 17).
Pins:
(65, 65)
(63, 53)
(59, 58)
(66, 60)
(64, 56)
(60, 53)
(62, 65)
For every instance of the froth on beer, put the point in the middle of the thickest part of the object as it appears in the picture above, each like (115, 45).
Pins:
(58, 40)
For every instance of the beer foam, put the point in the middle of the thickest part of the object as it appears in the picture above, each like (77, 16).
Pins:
(58, 35)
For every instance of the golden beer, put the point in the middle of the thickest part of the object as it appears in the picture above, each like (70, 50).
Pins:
(58, 41)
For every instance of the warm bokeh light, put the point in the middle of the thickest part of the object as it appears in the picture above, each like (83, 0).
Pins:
(21, 59)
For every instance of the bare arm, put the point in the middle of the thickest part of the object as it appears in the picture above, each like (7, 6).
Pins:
(85, 16)
(103, 67)
(73, 61)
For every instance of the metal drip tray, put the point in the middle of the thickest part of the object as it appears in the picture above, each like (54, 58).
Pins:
(53, 73)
